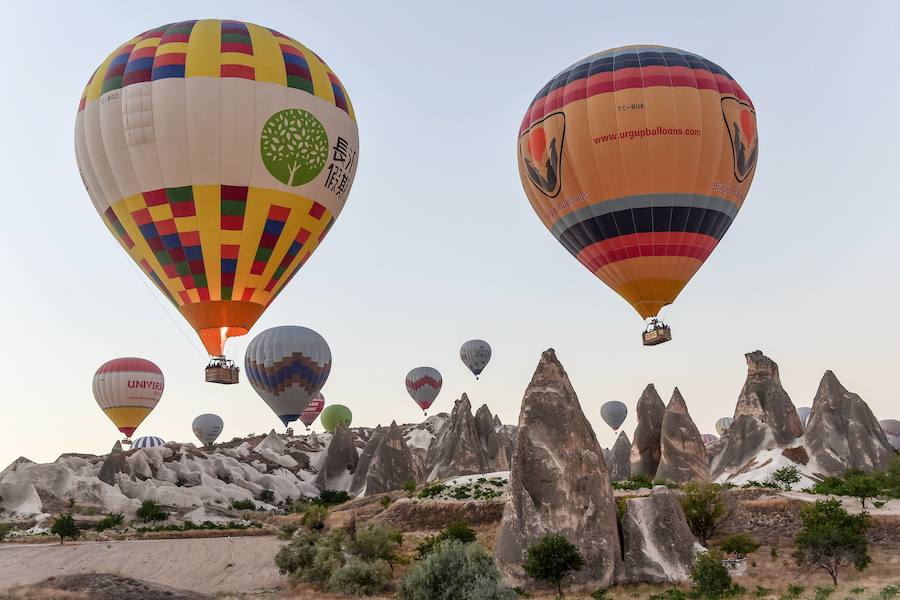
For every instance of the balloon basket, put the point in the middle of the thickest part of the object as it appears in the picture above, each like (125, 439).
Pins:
(126, 441)
(657, 333)
(221, 370)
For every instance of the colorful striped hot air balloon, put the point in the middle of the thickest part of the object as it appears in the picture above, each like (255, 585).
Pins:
(709, 438)
(424, 385)
(127, 389)
(723, 424)
(219, 154)
(475, 354)
(637, 160)
(334, 415)
(312, 410)
(147, 441)
(207, 427)
(287, 366)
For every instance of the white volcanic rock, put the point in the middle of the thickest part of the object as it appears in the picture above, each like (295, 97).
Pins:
(683, 453)
(645, 449)
(619, 462)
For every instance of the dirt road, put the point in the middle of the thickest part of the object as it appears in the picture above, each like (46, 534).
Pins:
(240, 564)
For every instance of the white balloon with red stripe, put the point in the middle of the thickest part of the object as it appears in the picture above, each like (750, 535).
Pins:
(424, 385)
(127, 389)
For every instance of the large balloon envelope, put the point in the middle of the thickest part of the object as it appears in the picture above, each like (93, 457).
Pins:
(637, 160)
(287, 366)
(334, 415)
(147, 441)
(424, 385)
(312, 410)
(709, 438)
(475, 354)
(127, 389)
(207, 427)
(723, 424)
(891, 428)
(614, 413)
(219, 154)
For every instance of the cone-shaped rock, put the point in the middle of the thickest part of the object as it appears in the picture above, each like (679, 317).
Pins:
(764, 418)
(558, 483)
(113, 465)
(645, 449)
(842, 433)
(465, 445)
(392, 463)
(339, 462)
(365, 459)
(492, 443)
(620, 459)
(683, 454)
(658, 545)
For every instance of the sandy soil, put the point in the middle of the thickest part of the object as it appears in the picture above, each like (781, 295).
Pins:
(242, 564)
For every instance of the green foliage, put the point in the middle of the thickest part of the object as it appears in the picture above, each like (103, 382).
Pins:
(267, 496)
(710, 577)
(857, 590)
(287, 531)
(385, 501)
(635, 482)
(740, 544)
(205, 525)
(377, 542)
(360, 578)
(863, 486)
(332, 498)
(4, 530)
(110, 521)
(410, 488)
(823, 592)
(243, 504)
(600, 595)
(762, 592)
(669, 594)
(832, 538)
(455, 570)
(704, 508)
(314, 517)
(773, 551)
(70, 503)
(890, 591)
(151, 511)
(458, 530)
(786, 476)
(430, 491)
(551, 559)
(793, 591)
(65, 527)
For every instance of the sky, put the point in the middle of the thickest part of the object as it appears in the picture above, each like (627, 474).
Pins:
(438, 244)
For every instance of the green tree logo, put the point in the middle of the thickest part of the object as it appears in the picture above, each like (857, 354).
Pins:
(294, 146)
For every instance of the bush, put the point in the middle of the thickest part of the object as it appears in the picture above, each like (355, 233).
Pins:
(431, 491)
(4, 531)
(832, 538)
(65, 527)
(793, 591)
(710, 577)
(862, 487)
(786, 476)
(243, 505)
(110, 521)
(314, 517)
(600, 595)
(360, 578)
(151, 511)
(410, 488)
(459, 531)
(551, 559)
(332, 498)
(313, 556)
(823, 592)
(635, 482)
(739, 544)
(385, 501)
(669, 594)
(267, 496)
(377, 543)
(704, 508)
(455, 570)
(287, 531)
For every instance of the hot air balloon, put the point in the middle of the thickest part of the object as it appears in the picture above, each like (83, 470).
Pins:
(207, 427)
(637, 160)
(614, 413)
(148, 441)
(312, 410)
(127, 389)
(219, 154)
(891, 428)
(709, 438)
(424, 385)
(804, 412)
(334, 415)
(723, 424)
(475, 354)
(287, 366)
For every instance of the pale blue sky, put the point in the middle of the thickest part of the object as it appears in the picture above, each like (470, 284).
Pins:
(438, 244)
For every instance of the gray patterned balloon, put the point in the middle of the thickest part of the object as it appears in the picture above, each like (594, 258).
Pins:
(207, 427)
(475, 354)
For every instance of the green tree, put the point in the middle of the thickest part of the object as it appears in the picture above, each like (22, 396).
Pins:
(704, 509)
(151, 511)
(377, 542)
(110, 521)
(739, 544)
(551, 559)
(862, 486)
(410, 488)
(455, 570)
(65, 527)
(786, 476)
(314, 517)
(294, 146)
(457, 530)
(832, 538)
(710, 577)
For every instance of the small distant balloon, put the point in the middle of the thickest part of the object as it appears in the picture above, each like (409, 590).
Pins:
(334, 415)
(127, 389)
(723, 424)
(804, 412)
(475, 354)
(891, 428)
(312, 410)
(709, 438)
(424, 385)
(614, 413)
(207, 427)
(147, 441)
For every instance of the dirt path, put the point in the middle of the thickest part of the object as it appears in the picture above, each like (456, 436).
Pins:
(240, 564)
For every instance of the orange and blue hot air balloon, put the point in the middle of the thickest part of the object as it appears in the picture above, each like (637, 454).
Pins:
(637, 160)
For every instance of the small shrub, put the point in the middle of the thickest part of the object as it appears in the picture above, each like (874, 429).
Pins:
(857, 590)
(410, 488)
(740, 545)
(267, 496)
(786, 476)
(458, 530)
(704, 508)
(70, 503)
(773, 551)
(4, 531)
(669, 594)
(600, 595)
(890, 591)
(793, 591)
(710, 577)
(110, 521)
(314, 517)
(243, 504)
(287, 531)
(432, 491)
(635, 482)
(823, 592)
(360, 578)
(377, 542)
(332, 497)
(385, 501)
(762, 592)
(455, 570)
(151, 511)
(65, 527)
(551, 559)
